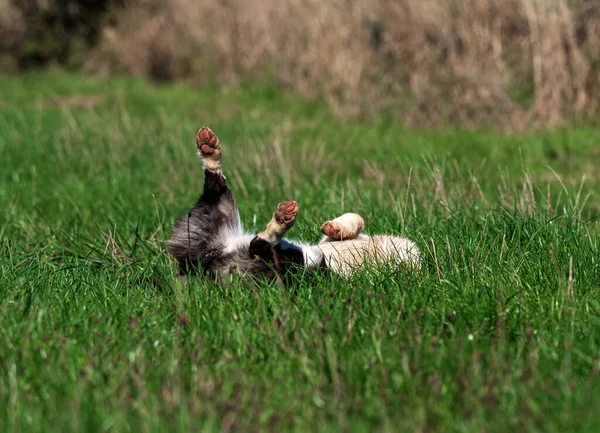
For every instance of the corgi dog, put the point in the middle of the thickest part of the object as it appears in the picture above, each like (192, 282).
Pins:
(209, 240)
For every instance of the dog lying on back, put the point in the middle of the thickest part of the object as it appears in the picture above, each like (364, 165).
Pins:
(210, 239)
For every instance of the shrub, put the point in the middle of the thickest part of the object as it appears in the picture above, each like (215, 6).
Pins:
(517, 63)
(38, 32)
(509, 63)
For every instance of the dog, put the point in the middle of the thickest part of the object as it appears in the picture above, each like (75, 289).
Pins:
(209, 240)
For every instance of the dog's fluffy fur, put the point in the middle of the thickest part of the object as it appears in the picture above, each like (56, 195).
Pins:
(210, 239)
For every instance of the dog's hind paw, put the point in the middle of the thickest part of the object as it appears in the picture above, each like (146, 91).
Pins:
(209, 148)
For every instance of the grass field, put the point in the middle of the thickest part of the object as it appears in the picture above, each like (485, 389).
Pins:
(499, 332)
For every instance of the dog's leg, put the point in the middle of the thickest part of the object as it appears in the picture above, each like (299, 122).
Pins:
(201, 236)
(210, 150)
(265, 245)
(283, 219)
(280, 253)
(345, 227)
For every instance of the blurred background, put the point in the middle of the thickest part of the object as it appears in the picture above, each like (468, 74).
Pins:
(513, 64)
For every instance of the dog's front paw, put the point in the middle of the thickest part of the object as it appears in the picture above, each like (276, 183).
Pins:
(286, 212)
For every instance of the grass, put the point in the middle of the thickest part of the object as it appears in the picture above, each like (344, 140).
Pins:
(499, 331)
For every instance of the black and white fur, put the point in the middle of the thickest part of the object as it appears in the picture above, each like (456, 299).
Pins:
(210, 240)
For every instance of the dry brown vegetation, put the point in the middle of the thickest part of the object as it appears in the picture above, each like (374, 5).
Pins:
(514, 63)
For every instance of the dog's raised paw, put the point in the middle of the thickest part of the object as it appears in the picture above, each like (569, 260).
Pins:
(207, 142)
(209, 148)
(283, 220)
(286, 212)
(347, 226)
(332, 229)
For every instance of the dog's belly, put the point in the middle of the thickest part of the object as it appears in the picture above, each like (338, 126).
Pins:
(346, 257)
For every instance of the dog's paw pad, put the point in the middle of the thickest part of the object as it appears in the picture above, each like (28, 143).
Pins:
(207, 142)
(332, 229)
(286, 212)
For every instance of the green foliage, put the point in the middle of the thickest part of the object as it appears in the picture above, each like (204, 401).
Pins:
(499, 331)
(60, 31)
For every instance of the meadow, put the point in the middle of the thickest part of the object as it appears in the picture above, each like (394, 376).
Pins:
(499, 331)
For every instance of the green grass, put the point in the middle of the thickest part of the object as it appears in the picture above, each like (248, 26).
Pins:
(499, 332)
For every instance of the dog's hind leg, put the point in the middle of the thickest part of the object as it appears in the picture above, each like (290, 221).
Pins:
(201, 237)
(345, 227)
